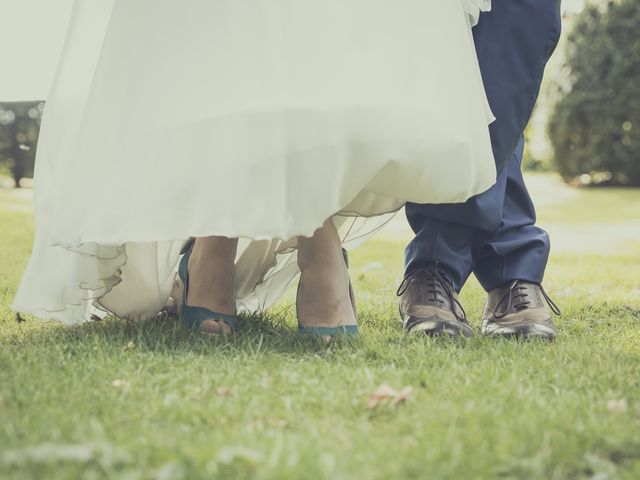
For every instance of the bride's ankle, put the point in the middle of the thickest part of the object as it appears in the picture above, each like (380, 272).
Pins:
(323, 298)
(211, 272)
(324, 248)
(331, 261)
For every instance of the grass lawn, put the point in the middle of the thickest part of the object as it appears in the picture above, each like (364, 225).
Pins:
(114, 399)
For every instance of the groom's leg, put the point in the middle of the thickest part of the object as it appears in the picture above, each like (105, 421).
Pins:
(513, 44)
(510, 265)
(518, 249)
(439, 260)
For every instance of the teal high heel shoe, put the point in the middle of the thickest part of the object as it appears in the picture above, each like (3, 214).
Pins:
(193, 317)
(340, 330)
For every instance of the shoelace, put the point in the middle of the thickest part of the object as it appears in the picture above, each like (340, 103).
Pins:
(435, 278)
(517, 297)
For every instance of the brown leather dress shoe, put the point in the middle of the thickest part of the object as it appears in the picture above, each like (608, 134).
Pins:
(519, 309)
(429, 305)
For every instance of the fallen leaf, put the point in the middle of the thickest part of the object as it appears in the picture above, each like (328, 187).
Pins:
(223, 391)
(404, 395)
(387, 394)
(617, 406)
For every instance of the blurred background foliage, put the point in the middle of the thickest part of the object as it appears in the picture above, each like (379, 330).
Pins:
(586, 125)
(594, 126)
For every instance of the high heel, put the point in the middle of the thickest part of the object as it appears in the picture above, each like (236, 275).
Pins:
(340, 330)
(193, 317)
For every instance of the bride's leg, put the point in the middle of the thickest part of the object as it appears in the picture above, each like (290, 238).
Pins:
(211, 274)
(323, 294)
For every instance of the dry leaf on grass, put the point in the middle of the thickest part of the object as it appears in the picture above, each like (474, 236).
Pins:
(617, 406)
(223, 392)
(387, 394)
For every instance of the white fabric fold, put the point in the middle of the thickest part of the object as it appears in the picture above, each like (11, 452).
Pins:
(256, 120)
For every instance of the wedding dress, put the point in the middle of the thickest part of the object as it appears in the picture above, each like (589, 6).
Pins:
(255, 119)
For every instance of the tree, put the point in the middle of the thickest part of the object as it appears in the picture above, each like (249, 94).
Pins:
(595, 126)
(19, 130)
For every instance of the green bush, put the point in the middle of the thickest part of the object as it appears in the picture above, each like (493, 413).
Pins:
(595, 128)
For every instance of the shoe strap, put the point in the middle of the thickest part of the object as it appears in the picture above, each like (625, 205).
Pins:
(329, 331)
(194, 317)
